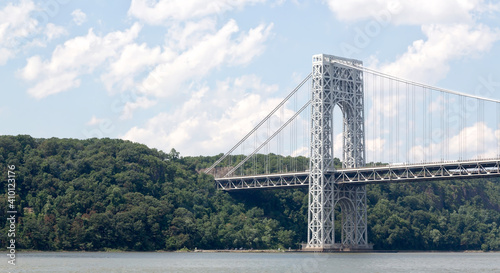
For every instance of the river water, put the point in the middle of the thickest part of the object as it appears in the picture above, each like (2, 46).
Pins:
(252, 262)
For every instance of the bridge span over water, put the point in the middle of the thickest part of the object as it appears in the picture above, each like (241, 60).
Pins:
(365, 117)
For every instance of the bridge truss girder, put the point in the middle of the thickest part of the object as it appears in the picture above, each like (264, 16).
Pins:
(472, 169)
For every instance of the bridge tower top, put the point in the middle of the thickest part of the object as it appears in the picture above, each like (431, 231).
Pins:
(336, 85)
(326, 58)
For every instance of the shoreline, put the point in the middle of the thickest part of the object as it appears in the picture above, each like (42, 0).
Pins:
(259, 251)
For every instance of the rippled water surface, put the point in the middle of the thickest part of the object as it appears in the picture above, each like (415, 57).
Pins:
(253, 262)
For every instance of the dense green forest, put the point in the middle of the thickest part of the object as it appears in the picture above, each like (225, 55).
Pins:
(101, 194)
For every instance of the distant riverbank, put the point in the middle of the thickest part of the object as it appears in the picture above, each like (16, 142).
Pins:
(253, 251)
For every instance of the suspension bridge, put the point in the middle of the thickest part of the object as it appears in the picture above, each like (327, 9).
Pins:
(391, 130)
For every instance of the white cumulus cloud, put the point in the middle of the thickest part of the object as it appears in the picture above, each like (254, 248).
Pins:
(79, 17)
(77, 56)
(227, 46)
(133, 59)
(53, 31)
(16, 25)
(20, 28)
(428, 60)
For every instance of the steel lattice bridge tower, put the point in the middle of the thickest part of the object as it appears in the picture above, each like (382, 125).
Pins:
(341, 82)
(336, 85)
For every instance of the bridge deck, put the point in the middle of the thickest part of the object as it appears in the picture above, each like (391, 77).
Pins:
(370, 175)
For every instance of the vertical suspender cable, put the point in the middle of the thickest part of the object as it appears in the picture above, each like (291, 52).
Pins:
(464, 141)
(396, 119)
(463, 131)
(292, 141)
(268, 146)
(424, 124)
(305, 136)
(254, 158)
(295, 139)
(429, 131)
(407, 123)
(478, 129)
(390, 123)
(308, 130)
(483, 127)
(382, 115)
(374, 123)
(443, 134)
(378, 120)
(447, 123)
(254, 163)
(414, 117)
(277, 170)
(280, 137)
(498, 130)
(278, 145)
(460, 128)
(242, 153)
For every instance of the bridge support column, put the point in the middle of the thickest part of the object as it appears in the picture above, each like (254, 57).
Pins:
(352, 202)
(335, 84)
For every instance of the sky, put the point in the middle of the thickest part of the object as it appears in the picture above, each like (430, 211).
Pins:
(198, 75)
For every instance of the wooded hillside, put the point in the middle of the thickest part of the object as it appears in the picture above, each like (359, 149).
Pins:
(100, 194)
